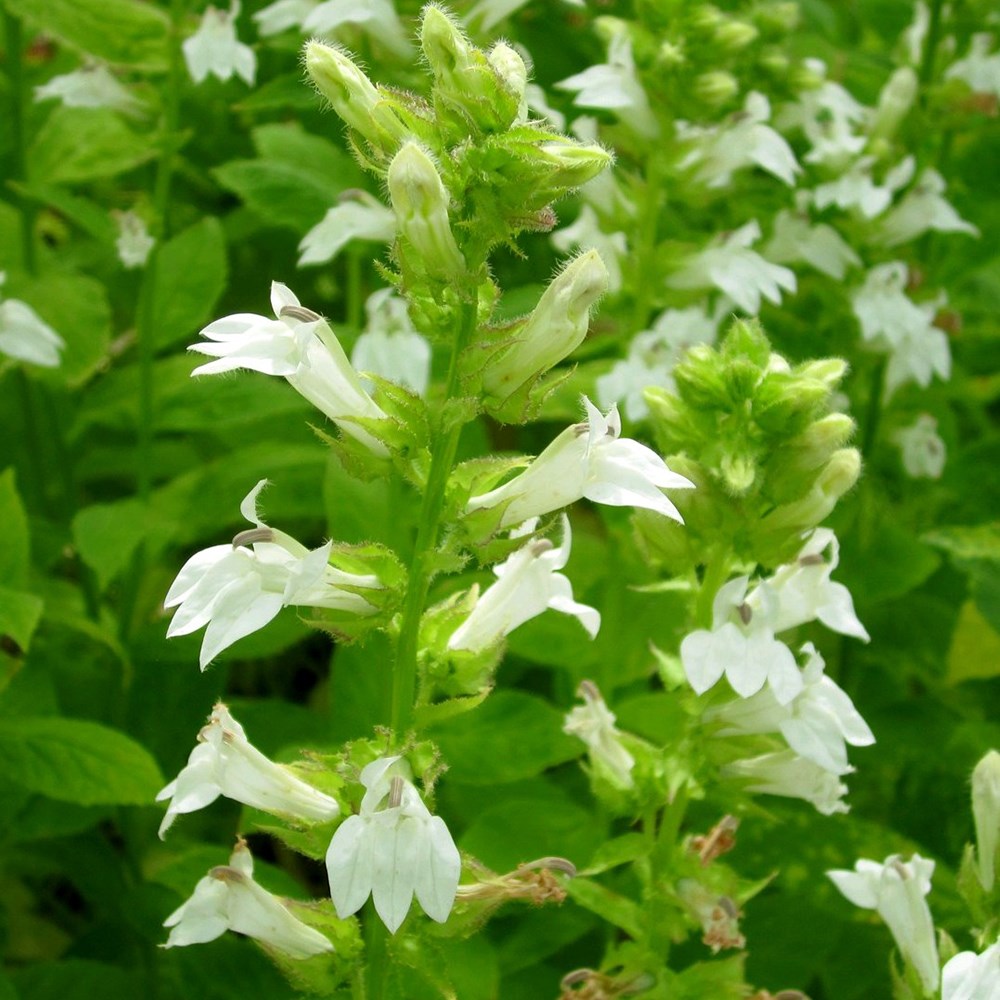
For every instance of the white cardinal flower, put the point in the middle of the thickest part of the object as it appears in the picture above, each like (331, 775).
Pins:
(528, 583)
(214, 48)
(741, 645)
(93, 86)
(896, 889)
(986, 816)
(803, 591)
(586, 234)
(228, 899)
(816, 723)
(237, 589)
(731, 266)
(390, 346)
(968, 976)
(796, 239)
(716, 152)
(614, 86)
(594, 723)
(282, 15)
(225, 763)
(300, 346)
(134, 242)
(392, 850)
(980, 69)
(357, 216)
(589, 461)
(920, 209)
(856, 188)
(25, 336)
(923, 452)
(787, 774)
(377, 18)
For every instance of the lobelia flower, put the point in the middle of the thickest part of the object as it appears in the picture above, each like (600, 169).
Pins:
(390, 346)
(820, 246)
(300, 346)
(923, 452)
(92, 86)
(986, 816)
(744, 140)
(392, 850)
(896, 889)
(528, 583)
(594, 723)
(731, 266)
(237, 589)
(357, 216)
(282, 15)
(589, 461)
(25, 336)
(134, 242)
(920, 209)
(816, 723)
(856, 188)
(225, 763)
(214, 48)
(741, 645)
(787, 774)
(968, 976)
(586, 234)
(228, 899)
(377, 18)
(980, 69)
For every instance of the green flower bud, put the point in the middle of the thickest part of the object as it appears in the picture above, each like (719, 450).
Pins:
(986, 814)
(776, 63)
(420, 201)
(554, 329)
(716, 87)
(671, 54)
(735, 35)
(707, 18)
(793, 467)
(829, 371)
(894, 102)
(353, 96)
(575, 163)
(513, 74)
(839, 475)
(778, 17)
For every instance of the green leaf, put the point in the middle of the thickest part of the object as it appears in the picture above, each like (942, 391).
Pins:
(975, 647)
(529, 730)
(191, 273)
(107, 536)
(280, 193)
(19, 615)
(73, 979)
(291, 145)
(281, 93)
(616, 909)
(77, 761)
(968, 543)
(14, 553)
(116, 31)
(84, 144)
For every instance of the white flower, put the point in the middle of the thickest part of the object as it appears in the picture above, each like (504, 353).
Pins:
(587, 460)
(237, 589)
(741, 645)
(615, 86)
(920, 209)
(92, 86)
(228, 899)
(586, 234)
(804, 592)
(816, 723)
(604, 192)
(980, 69)
(786, 773)
(856, 188)
(225, 763)
(390, 346)
(378, 18)
(744, 140)
(820, 246)
(300, 346)
(214, 48)
(134, 242)
(986, 816)
(652, 356)
(283, 14)
(25, 336)
(594, 723)
(359, 217)
(732, 267)
(529, 582)
(915, 35)
(923, 451)
(968, 976)
(896, 889)
(394, 848)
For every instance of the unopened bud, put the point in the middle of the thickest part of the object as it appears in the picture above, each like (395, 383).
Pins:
(778, 17)
(446, 47)
(554, 329)
(829, 371)
(735, 35)
(577, 163)
(513, 74)
(986, 815)
(716, 87)
(420, 201)
(707, 18)
(670, 54)
(834, 480)
(894, 102)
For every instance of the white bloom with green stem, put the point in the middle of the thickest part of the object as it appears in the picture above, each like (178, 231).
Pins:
(594, 723)
(528, 583)
(228, 899)
(790, 775)
(586, 233)
(215, 50)
(236, 589)
(856, 188)
(356, 216)
(90, 86)
(393, 850)
(896, 890)
(225, 763)
(922, 208)
(588, 460)
(390, 346)
(299, 346)
(24, 335)
(377, 18)
(979, 68)
(797, 240)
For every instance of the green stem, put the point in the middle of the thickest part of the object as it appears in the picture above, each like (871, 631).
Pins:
(375, 956)
(931, 44)
(873, 414)
(15, 74)
(716, 574)
(355, 290)
(645, 251)
(404, 678)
